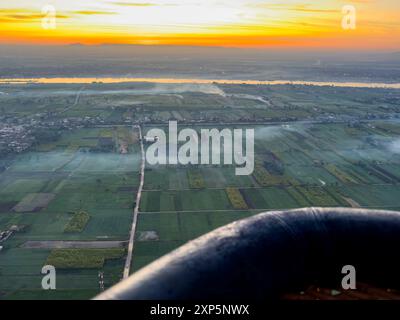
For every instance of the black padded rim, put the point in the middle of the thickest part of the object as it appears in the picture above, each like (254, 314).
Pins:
(273, 252)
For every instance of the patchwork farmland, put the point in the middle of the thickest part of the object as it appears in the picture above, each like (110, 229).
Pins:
(69, 192)
(297, 165)
(68, 200)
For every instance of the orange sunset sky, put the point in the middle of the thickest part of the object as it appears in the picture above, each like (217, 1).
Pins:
(237, 23)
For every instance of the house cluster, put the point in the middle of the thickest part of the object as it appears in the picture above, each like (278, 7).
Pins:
(15, 138)
(5, 235)
(19, 134)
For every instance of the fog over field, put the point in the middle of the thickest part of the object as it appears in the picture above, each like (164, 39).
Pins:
(371, 147)
(145, 89)
(394, 146)
(273, 132)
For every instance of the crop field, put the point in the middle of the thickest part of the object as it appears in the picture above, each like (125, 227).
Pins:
(78, 222)
(68, 190)
(236, 198)
(176, 228)
(82, 258)
(34, 202)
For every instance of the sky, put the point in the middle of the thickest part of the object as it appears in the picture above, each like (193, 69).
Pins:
(227, 23)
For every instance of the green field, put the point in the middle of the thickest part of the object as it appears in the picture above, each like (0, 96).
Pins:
(92, 198)
(299, 165)
(78, 222)
(82, 258)
(314, 146)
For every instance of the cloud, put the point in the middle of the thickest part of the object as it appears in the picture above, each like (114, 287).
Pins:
(296, 8)
(22, 15)
(25, 16)
(92, 12)
(134, 4)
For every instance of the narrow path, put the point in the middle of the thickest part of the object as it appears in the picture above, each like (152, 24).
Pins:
(60, 244)
(261, 209)
(78, 95)
(261, 187)
(128, 261)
